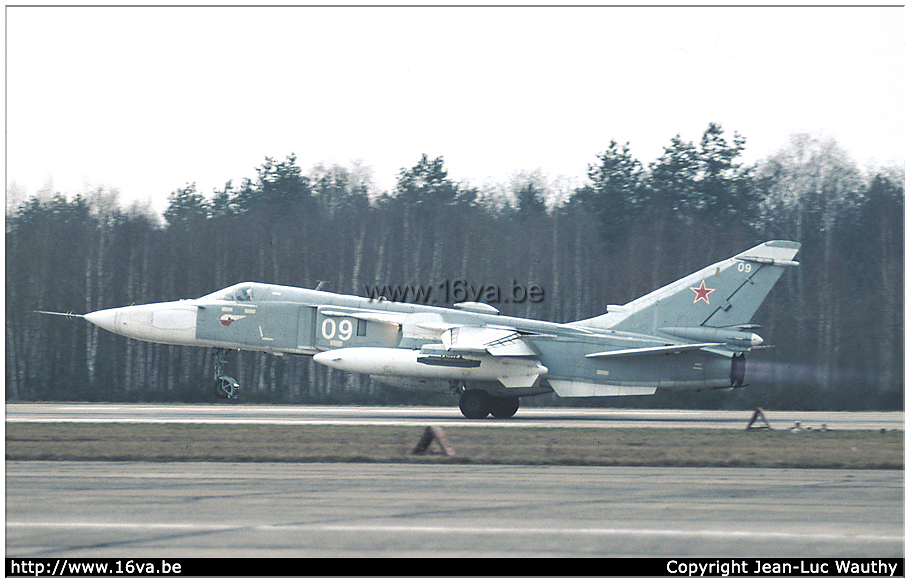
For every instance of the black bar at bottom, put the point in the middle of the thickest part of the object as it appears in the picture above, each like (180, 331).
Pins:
(307, 567)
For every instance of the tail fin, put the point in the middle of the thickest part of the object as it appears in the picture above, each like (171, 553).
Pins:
(725, 294)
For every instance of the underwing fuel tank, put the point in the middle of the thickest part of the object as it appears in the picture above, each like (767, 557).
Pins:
(400, 362)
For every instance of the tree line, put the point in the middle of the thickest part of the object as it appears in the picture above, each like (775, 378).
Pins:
(836, 322)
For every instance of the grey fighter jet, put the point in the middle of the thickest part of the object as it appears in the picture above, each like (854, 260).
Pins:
(690, 334)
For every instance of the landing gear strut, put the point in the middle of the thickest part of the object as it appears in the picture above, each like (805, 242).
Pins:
(225, 387)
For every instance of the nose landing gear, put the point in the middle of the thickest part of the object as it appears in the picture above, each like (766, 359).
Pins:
(225, 387)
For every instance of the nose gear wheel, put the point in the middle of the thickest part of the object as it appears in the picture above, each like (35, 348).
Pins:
(226, 387)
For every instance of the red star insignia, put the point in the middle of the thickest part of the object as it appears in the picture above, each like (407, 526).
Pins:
(701, 293)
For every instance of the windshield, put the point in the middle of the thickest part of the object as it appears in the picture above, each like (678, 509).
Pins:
(241, 292)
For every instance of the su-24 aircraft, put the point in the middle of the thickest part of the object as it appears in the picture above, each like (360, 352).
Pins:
(690, 334)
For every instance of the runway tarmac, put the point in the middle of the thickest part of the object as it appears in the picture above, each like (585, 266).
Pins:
(442, 416)
(101, 509)
(205, 509)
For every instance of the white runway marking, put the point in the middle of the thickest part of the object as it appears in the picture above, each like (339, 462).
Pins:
(468, 530)
(443, 416)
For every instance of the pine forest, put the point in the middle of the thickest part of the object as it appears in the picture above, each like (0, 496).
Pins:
(836, 323)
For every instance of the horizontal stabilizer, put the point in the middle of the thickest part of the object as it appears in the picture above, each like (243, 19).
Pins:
(671, 349)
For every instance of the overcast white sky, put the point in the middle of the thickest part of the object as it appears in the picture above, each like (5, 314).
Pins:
(146, 100)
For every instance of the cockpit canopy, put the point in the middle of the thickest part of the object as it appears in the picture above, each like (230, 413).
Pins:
(240, 292)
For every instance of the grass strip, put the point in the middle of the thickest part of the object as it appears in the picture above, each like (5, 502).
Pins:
(487, 445)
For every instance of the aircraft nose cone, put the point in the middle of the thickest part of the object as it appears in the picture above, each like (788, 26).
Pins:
(756, 339)
(106, 319)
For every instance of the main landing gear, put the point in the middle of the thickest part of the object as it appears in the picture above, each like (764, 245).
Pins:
(477, 404)
(225, 387)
